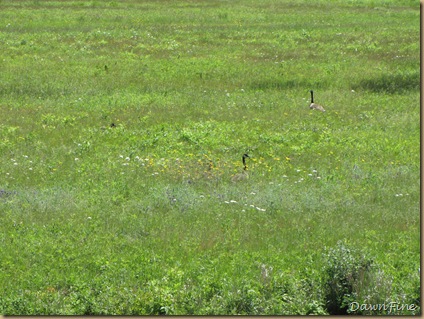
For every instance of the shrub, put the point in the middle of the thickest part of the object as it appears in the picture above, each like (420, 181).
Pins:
(346, 270)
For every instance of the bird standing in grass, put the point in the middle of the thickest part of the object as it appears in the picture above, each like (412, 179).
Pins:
(315, 106)
(243, 175)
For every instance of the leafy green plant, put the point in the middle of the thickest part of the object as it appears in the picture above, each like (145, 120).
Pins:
(345, 270)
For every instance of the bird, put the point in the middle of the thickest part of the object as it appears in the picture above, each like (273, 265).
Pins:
(243, 175)
(315, 106)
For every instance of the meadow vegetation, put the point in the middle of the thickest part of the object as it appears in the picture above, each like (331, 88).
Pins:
(141, 217)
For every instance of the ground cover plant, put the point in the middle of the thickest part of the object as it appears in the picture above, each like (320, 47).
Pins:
(123, 123)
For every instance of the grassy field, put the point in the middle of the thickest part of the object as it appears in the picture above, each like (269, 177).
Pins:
(141, 217)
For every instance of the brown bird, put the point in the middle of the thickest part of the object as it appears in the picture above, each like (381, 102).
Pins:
(315, 106)
(243, 175)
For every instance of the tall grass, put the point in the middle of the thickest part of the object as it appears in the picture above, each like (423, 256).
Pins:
(141, 217)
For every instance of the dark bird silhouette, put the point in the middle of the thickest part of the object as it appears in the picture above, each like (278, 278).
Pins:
(315, 106)
(243, 175)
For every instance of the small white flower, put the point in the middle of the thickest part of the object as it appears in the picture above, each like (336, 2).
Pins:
(298, 170)
(226, 202)
(76, 159)
(88, 217)
(127, 158)
(233, 201)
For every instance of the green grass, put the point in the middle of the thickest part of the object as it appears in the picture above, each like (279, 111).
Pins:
(143, 218)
